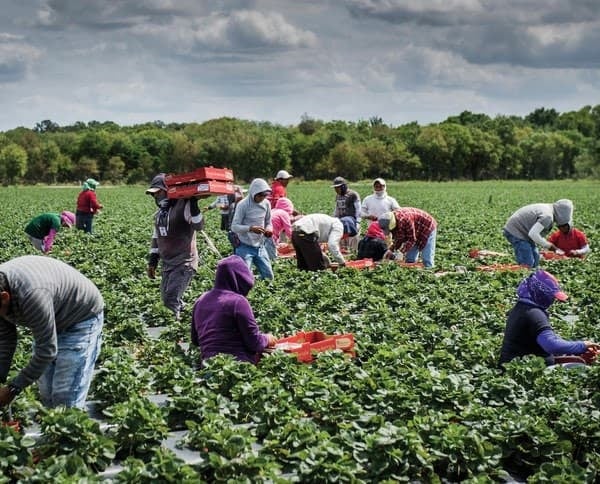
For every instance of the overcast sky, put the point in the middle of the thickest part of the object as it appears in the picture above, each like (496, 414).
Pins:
(133, 61)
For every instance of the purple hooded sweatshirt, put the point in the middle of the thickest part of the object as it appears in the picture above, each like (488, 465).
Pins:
(222, 319)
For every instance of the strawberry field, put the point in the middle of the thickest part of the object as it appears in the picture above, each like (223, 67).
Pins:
(423, 399)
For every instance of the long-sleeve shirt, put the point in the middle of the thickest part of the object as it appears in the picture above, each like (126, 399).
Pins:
(47, 296)
(528, 332)
(374, 205)
(249, 213)
(413, 227)
(44, 227)
(87, 202)
(573, 240)
(282, 223)
(174, 235)
(327, 229)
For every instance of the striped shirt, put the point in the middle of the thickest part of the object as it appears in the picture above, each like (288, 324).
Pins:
(47, 296)
(413, 227)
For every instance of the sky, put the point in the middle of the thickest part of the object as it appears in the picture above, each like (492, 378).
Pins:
(181, 61)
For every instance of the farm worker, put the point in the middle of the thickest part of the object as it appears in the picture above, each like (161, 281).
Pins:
(279, 187)
(570, 241)
(281, 219)
(222, 318)
(528, 330)
(174, 243)
(42, 229)
(347, 204)
(373, 244)
(413, 230)
(525, 229)
(378, 203)
(311, 230)
(87, 205)
(226, 205)
(252, 225)
(64, 311)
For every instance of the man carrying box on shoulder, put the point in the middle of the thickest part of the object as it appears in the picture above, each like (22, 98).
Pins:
(174, 242)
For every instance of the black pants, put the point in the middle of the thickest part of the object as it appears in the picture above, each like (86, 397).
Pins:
(309, 255)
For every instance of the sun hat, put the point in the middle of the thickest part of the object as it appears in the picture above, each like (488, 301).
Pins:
(158, 183)
(338, 181)
(387, 222)
(92, 184)
(283, 175)
(68, 218)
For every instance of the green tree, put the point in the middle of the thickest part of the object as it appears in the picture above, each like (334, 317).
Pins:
(13, 162)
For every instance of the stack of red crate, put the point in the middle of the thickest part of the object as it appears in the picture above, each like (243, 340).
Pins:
(305, 344)
(201, 182)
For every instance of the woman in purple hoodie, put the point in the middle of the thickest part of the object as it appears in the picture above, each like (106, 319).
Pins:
(222, 319)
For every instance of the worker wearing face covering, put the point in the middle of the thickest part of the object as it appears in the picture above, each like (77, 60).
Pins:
(174, 243)
(527, 227)
(378, 203)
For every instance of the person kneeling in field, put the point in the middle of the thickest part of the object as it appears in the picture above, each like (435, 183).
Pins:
(528, 330)
(569, 241)
(311, 230)
(222, 318)
(373, 244)
(413, 230)
(64, 311)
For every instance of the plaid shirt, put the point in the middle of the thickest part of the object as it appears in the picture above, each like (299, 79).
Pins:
(413, 227)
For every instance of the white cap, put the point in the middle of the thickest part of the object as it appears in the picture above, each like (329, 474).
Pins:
(283, 175)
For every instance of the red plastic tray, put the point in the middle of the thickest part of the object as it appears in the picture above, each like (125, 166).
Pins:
(305, 343)
(200, 174)
(200, 189)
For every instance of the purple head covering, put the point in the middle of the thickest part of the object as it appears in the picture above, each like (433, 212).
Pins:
(541, 289)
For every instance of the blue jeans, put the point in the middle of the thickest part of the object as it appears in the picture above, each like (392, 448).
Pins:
(258, 256)
(427, 254)
(271, 248)
(526, 252)
(67, 379)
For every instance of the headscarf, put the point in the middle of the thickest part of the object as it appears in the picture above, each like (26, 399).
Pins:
(540, 289)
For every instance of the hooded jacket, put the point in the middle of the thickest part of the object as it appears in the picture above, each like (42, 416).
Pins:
(222, 318)
(521, 223)
(250, 213)
(281, 218)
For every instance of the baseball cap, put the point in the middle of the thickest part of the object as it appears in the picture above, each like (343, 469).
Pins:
(158, 183)
(338, 181)
(551, 283)
(387, 222)
(283, 175)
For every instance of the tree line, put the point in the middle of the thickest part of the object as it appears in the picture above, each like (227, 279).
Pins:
(545, 144)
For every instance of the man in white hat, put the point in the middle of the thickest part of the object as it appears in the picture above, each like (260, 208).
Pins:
(278, 187)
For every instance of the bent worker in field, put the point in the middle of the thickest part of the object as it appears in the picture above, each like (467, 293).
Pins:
(413, 230)
(174, 243)
(42, 229)
(569, 241)
(310, 231)
(528, 330)
(526, 228)
(64, 311)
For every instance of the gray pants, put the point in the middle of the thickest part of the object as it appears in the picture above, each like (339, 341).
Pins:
(174, 282)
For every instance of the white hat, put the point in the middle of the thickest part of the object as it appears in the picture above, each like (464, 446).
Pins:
(283, 175)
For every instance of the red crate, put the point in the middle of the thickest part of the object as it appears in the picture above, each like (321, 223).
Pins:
(200, 189)
(200, 174)
(305, 344)
(360, 264)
